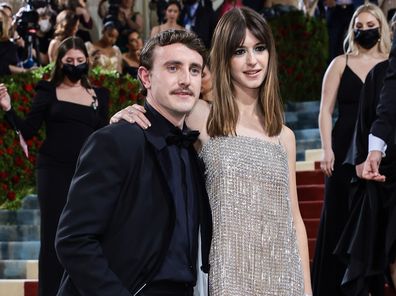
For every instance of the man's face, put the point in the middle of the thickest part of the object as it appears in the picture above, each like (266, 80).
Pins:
(174, 82)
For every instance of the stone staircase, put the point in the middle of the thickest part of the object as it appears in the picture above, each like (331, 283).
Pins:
(19, 248)
(302, 118)
(19, 231)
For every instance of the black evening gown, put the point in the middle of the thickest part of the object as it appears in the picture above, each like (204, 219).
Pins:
(368, 242)
(68, 125)
(8, 56)
(327, 271)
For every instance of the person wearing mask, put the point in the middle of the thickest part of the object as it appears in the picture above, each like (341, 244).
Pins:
(259, 244)
(368, 242)
(71, 110)
(367, 44)
(137, 200)
(45, 32)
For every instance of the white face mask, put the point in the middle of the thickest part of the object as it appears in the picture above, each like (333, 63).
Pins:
(45, 25)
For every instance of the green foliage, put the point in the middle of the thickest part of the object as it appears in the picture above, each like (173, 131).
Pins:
(16, 171)
(302, 46)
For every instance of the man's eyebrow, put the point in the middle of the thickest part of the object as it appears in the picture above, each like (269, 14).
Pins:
(176, 62)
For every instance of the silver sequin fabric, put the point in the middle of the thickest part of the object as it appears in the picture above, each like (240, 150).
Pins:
(254, 248)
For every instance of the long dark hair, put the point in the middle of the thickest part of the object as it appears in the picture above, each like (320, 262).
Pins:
(223, 116)
(57, 76)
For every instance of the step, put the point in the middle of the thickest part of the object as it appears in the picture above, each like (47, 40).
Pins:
(308, 106)
(307, 133)
(307, 144)
(313, 154)
(309, 177)
(20, 217)
(19, 269)
(310, 192)
(30, 202)
(18, 287)
(19, 232)
(312, 226)
(305, 166)
(310, 209)
(19, 250)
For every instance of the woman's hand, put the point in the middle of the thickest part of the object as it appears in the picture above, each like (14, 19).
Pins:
(327, 163)
(132, 114)
(5, 100)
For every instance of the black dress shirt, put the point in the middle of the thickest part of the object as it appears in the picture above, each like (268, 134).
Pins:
(179, 262)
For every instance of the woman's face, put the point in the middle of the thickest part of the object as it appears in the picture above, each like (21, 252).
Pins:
(249, 63)
(74, 57)
(133, 41)
(365, 21)
(172, 12)
(110, 36)
(206, 84)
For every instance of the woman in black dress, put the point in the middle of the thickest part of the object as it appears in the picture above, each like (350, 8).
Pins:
(71, 110)
(368, 43)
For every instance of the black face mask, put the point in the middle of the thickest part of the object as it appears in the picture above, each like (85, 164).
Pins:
(367, 38)
(74, 73)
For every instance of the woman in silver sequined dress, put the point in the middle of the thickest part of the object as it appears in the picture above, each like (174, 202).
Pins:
(259, 242)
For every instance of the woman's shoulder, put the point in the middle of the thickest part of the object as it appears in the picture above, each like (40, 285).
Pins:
(45, 85)
(287, 138)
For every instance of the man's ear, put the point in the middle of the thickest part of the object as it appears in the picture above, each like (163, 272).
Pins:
(144, 76)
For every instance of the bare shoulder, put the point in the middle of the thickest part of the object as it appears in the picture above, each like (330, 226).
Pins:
(287, 139)
(338, 63)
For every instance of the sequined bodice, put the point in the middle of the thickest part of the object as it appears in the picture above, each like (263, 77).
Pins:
(254, 248)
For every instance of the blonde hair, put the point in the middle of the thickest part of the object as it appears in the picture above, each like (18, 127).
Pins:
(384, 42)
(229, 34)
(6, 25)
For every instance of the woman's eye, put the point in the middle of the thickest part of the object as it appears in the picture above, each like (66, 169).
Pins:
(239, 51)
(261, 48)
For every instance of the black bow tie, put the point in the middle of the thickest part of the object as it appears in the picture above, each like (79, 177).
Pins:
(182, 138)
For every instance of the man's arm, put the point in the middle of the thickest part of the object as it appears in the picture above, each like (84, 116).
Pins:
(385, 124)
(92, 197)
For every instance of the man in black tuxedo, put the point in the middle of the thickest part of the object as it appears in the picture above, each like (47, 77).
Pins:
(137, 199)
(383, 128)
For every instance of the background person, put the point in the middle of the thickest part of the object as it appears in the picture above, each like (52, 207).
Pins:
(71, 110)
(172, 13)
(368, 43)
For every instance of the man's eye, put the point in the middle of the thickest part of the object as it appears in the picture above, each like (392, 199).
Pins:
(172, 68)
(239, 51)
(196, 71)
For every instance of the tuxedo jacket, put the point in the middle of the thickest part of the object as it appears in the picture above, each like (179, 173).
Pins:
(385, 124)
(116, 226)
